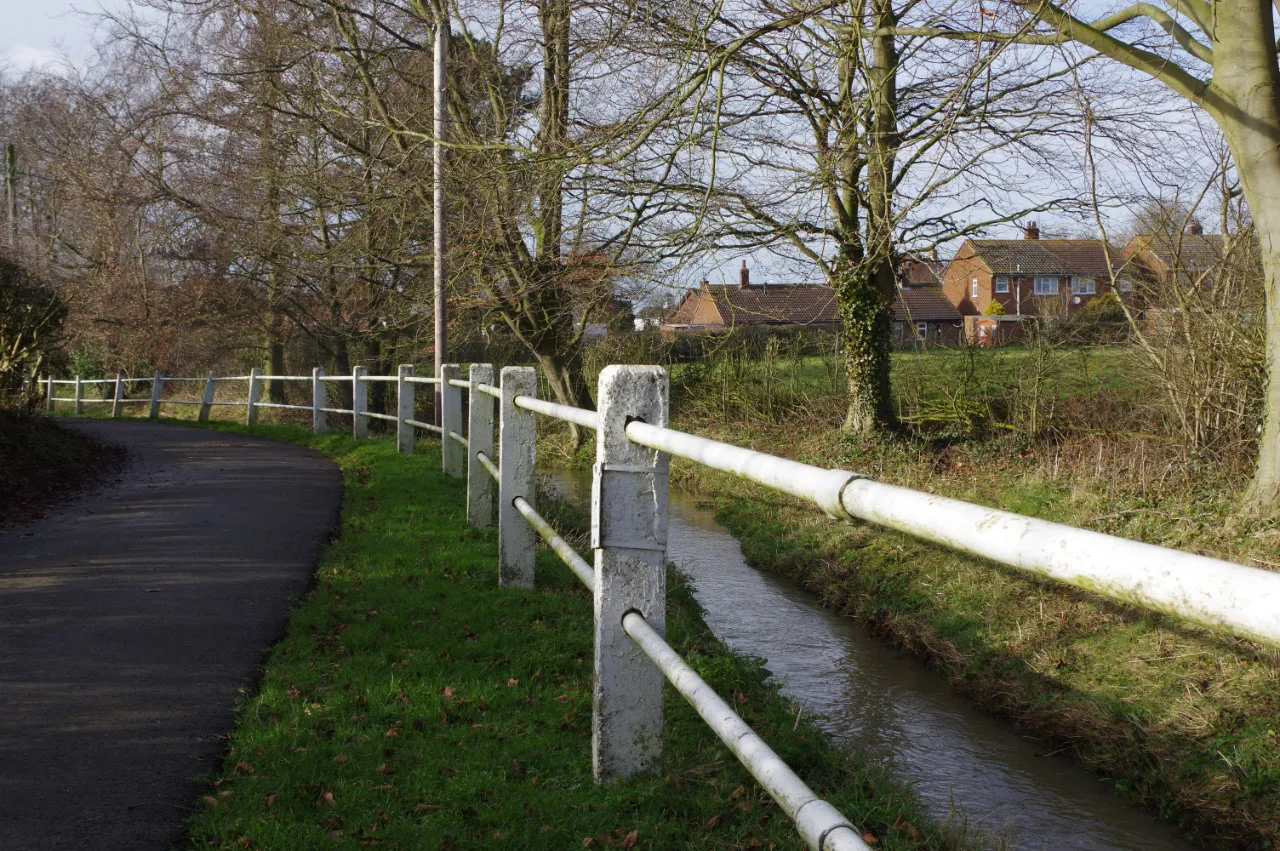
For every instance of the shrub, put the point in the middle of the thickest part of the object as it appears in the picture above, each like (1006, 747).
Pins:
(31, 319)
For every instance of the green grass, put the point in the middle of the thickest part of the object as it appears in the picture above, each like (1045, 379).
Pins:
(415, 704)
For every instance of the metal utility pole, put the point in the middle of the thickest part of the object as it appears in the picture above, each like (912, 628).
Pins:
(437, 173)
(11, 192)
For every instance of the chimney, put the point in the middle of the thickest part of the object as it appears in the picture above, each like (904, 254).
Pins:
(1031, 231)
(1195, 229)
(744, 276)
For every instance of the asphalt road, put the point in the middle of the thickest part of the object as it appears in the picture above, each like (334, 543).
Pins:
(130, 619)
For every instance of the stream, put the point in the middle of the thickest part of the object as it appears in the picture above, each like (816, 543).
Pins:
(885, 705)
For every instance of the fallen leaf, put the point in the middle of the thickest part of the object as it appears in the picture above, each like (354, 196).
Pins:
(210, 800)
(908, 828)
(326, 797)
(340, 758)
(384, 769)
(244, 767)
(447, 691)
(713, 821)
(630, 841)
(512, 682)
(737, 793)
(869, 837)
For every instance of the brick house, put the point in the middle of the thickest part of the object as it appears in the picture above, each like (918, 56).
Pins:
(1033, 276)
(1188, 255)
(921, 315)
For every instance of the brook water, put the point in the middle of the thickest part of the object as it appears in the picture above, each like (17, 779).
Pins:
(881, 703)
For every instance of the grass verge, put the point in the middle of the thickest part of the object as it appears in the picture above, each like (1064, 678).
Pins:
(415, 704)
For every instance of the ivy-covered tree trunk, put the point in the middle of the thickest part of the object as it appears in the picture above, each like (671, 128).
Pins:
(867, 315)
(863, 277)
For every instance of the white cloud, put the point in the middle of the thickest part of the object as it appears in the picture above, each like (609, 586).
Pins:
(23, 57)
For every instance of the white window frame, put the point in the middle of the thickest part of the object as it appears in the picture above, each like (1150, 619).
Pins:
(1002, 285)
(1083, 286)
(973, 288)
(1124, 284)
(922, 331)
(1042, 285)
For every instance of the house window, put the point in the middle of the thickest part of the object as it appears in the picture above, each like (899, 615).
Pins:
(1002, 285)
(922, 331)
(973, 288)
(1046, 286)
(898, 330)
(1083, 286)
(1125, 284)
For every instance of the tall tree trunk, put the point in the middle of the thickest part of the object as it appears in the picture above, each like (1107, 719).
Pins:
(1245, 71)
(276, 363)
(342, 366)
(563, 373)
(867, 319)
(864, 281)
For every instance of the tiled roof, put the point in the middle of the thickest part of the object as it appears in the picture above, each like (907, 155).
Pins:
(1196, 252)
(919, 305)
(683, 312)
(791, 304)
(1045, 256)
(804, 304)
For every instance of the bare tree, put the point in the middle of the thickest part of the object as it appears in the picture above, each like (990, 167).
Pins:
(834, 142)
(1222, 57)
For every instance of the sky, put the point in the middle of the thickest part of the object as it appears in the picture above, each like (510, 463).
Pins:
(37, 32)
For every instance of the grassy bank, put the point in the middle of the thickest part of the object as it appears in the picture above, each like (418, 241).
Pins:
(415, 704)
(1184, 722)
(41, 460)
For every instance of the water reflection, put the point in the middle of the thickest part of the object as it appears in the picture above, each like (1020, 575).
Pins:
(886, 705)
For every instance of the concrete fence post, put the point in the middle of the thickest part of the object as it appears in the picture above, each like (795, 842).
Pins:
(517, 435)
(629, 536)
(206, 402)
(255, 390)
(406, 435)
(359, 403)
(453, 455)
(480, 434)
(79, 396)
(319, 401)
(157, 392)
(118, 399)
(49, 394)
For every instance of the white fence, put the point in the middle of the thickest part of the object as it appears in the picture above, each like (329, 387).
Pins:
(629, 540)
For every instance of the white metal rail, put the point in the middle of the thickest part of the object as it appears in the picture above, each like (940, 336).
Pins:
(629, 541)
